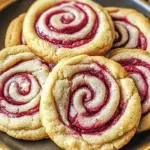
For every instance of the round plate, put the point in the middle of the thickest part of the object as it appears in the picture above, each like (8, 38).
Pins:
(22, 6)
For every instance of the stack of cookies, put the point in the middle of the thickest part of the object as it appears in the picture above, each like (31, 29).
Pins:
(76, 73)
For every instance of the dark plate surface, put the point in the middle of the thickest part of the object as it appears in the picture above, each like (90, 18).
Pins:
(22, 6)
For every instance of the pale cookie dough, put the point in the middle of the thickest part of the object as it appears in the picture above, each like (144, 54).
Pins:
(137, 63)
(90, 103)
(54, 29)
(14, 32)
(22, 77)
(132, 28)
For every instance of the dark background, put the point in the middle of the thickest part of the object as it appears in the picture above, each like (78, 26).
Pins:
(22, 6)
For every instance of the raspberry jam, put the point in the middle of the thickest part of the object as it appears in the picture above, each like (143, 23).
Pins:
(139, 71)
(68, 24)
(128, 35)
(90, 97)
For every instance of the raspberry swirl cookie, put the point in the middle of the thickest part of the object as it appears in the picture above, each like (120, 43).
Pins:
(22, 76)
(137, 63)
(132, 28)
(89, 102)
(54, 29)
(14, 32)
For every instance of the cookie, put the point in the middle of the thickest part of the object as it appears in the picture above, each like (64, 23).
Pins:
(89, 102)
(3, 147)
(14, 32)
(145, 147)
(56, 29)
(5, 3)
(132, 28)
(137, 63)
(22, 77)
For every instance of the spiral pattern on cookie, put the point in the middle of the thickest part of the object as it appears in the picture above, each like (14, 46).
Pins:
(68, 24)
(128, 35)
(93, 103)
(20, 88)
(139, 71)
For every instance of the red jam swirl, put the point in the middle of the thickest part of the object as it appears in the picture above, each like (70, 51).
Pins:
(68, 24)
(139, 71)
(20, 90)
(128, 35)
(92, 108)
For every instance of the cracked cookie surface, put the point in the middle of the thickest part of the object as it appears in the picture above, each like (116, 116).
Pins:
(89, 102)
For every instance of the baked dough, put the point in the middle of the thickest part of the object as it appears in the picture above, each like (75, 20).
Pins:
(89, 102)
(137, 63)
(54, 29)
(5, 3)
(132, 28)
(2, 147)
(22, 77)
(145, 147)
(14, 32)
